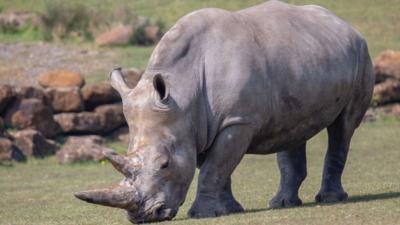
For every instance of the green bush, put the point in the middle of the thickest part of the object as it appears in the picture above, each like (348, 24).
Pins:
(62, 20)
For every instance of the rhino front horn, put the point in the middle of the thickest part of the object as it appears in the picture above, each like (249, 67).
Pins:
(118, 82)
(120, 197)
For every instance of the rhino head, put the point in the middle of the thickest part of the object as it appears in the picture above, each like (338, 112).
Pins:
(159, 164)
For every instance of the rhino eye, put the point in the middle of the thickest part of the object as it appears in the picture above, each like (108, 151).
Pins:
(165, 165)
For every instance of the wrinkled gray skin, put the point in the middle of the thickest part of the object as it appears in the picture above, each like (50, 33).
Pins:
(222, 84)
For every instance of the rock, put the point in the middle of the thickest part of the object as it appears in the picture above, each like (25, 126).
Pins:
(99, 94)
(5, 149)
(111, 117)
(393, 109)
(61, 78)
(6, 96)
(387, 92)
(118, 35)
(132, 76)
(30, 92)
(8, 151)
(79, 123)
(82, 148)
(33, 143)
(387, 66)
(121, 134)
(68, 99)
(33, 113)
(153, 33)
(103, 120)
(2, 128)
(370, 116)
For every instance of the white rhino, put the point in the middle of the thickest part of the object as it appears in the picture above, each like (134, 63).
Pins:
(221, 84)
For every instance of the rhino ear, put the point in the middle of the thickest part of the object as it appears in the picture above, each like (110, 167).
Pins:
(118, 83)
(161, 88)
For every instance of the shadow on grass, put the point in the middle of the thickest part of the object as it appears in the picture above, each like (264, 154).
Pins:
(352, 199)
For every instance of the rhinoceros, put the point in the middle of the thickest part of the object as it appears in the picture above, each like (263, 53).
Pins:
(223, 84)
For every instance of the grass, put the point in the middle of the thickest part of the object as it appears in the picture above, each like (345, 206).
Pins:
(378, 21)
(40, 191)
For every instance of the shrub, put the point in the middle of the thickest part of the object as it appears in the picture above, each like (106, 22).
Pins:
(62, 19)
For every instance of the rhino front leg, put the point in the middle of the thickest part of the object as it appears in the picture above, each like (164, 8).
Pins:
(293, 168)
(214, 195)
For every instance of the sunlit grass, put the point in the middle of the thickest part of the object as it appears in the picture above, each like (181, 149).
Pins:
(40, 191)
(378, 21)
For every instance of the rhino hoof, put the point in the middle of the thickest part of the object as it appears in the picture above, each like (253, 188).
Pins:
(331, 197)
(214, 209)
(284, 202)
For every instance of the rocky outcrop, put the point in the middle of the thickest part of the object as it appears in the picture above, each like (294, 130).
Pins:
(387, 66)
(99, 94)
(6, 96)
(68, 99)
(8, 151)
(79, 123)
(61, 78)
(82, 148)
(33, 143)
(104, 119)
(387, 92)
(111, 117)
(32, 113)
(119, 35)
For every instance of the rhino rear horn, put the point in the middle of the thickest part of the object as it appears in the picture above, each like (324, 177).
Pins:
(120, 162)
(118, 82)
(119, 197)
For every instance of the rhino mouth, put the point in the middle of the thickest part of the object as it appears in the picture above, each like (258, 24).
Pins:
(157, 212)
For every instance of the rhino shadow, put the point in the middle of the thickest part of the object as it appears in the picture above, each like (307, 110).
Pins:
(352, 199)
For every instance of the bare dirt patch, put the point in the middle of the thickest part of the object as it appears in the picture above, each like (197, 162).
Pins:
(21, 63)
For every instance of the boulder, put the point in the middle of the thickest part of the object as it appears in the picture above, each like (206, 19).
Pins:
(119, 35)
(387, 92)
(103, 120)
(99, 94)
(153, 33)
(82, 148)
(79, 123)
(32, 113)
(67, 99)
(33, 143)
(6, 147)
(8, 151)
(370, 115)
(1, 126)
(387, 66)
(111, 117)
(6, 96)
(393, 109)
(30, 92)
(121, 134)
(61, 78)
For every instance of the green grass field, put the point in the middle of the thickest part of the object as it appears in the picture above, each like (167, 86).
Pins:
(378, 21)
(40, 191)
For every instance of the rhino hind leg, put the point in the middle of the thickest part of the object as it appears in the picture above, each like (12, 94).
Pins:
(340, 133)
(293, 169)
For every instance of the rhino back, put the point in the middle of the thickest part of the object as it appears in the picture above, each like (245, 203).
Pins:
(286, 70)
